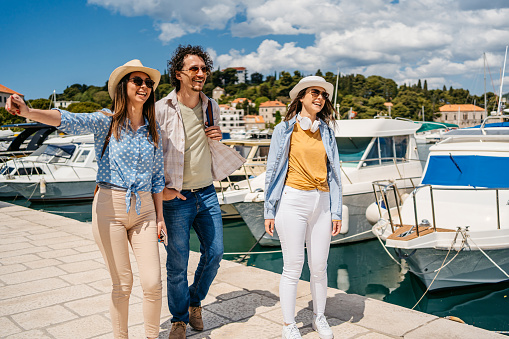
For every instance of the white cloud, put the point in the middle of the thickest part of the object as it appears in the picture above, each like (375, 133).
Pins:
(412, 39)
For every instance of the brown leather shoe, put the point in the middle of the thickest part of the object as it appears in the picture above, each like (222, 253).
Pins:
(195, 319)
(178, 330)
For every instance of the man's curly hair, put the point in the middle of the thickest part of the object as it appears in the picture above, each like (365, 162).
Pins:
(176, 63)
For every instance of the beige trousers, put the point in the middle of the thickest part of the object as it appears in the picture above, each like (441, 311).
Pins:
(114, 230)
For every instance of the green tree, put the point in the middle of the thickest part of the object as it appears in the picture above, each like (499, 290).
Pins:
(256, 78)
(102, 98)
(39, 103)
(258, 101)
(319, 73)
(7, 118)
(84, 107)
(277, 117)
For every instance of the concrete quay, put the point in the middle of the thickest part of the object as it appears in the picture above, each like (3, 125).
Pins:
(54, 284)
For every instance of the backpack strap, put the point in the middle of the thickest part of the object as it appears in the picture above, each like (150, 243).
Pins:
(106, 140)
(210, 114)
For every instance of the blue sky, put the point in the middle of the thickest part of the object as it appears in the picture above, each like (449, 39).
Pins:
(51, 44)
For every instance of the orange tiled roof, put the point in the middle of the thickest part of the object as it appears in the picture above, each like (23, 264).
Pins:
(240, 100)
(461, 108)
(4, 89)
(223, 106)
(272, 104)
(257, 118)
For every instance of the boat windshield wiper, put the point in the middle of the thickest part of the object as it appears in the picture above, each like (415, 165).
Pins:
(455, 163)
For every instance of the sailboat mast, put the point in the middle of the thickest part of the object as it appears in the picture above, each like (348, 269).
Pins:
(336, 92)
(502, 84)
(485, 101)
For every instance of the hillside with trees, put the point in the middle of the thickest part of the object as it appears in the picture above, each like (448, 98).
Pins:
(364, 95)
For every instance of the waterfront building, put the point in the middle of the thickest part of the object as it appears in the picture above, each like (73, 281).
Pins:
(268, 110)
(231, 118)
(241, 75)
(466, 115)
(254, 122)
(5, 93)
(217, 93)
(64, 103)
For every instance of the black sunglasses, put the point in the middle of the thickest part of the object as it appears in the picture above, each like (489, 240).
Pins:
(315, 93)
(139, 81)
(196, 69)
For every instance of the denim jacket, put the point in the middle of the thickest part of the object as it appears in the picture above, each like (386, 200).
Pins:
(277, 167)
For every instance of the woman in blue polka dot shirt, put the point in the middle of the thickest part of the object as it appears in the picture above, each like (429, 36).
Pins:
(127, 208)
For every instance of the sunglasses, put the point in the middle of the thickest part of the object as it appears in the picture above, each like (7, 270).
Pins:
(315, 93)
(139, 81)
(195, 69)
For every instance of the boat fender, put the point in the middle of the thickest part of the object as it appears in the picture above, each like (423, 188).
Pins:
(42, 186)
(344, 221)
(372, 213)
(453, 318)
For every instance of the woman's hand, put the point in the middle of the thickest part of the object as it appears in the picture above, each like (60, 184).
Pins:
(269, 226)
(161, 226)
(16, 105)
(336, 227)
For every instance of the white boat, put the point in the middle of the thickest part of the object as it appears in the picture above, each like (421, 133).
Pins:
(453, 230)
(242, 181)
(63, 169)
(369, 149)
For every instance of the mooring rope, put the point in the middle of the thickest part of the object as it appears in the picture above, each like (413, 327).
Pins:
(279, 251)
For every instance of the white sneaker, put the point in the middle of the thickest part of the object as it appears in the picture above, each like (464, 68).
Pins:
(321, 326)
(291, 332)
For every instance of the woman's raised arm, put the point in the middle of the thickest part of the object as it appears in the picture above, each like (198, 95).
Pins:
(16, 106)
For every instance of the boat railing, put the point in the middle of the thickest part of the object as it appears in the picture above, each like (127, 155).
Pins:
(382, 187)
(492, 117)
(381, 161)
(232, 185)
(43, 164)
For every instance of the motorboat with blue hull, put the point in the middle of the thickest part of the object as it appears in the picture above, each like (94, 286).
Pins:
(453, 230)
(369, 149)
(62, 169)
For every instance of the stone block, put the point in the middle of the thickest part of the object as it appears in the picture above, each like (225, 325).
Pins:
(26, 288)
(81, 328)
(43, 317)
(30, 275)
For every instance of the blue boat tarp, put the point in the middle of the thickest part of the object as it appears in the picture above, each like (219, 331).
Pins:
(467, 170)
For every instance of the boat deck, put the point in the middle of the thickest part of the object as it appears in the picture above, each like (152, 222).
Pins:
(54, 284)
(401, 229)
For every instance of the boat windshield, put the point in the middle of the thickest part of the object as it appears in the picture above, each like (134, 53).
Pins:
(243, 150)
(387, 149)
(467, 170)
(56, 154)
(351, 150)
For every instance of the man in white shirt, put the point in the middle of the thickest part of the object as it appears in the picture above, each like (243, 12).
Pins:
(193, 158)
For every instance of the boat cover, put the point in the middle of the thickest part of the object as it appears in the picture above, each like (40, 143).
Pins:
(467, 170)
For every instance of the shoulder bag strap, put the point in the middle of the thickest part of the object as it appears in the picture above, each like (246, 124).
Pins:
(210, 114)
(106, 140)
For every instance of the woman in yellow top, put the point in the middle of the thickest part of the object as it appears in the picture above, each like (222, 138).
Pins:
(303, 196)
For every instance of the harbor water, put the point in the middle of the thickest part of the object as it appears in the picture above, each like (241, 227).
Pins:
(360, 268)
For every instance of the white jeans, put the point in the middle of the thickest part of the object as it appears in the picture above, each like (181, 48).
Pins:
(303, 217)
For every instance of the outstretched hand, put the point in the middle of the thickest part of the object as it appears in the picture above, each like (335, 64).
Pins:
(269, 226)
(16, 105)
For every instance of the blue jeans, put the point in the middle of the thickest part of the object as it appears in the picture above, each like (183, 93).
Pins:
(201, 211)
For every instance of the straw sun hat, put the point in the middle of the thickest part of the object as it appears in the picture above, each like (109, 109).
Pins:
(129, 67)
(311, 81)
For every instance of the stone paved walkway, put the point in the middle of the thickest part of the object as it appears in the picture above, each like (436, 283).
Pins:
(53, 284)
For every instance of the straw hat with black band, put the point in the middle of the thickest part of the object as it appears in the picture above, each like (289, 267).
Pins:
(129, 67)
(311, 81)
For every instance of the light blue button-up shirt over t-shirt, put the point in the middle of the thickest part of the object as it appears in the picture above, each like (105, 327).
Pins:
(133, 162)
